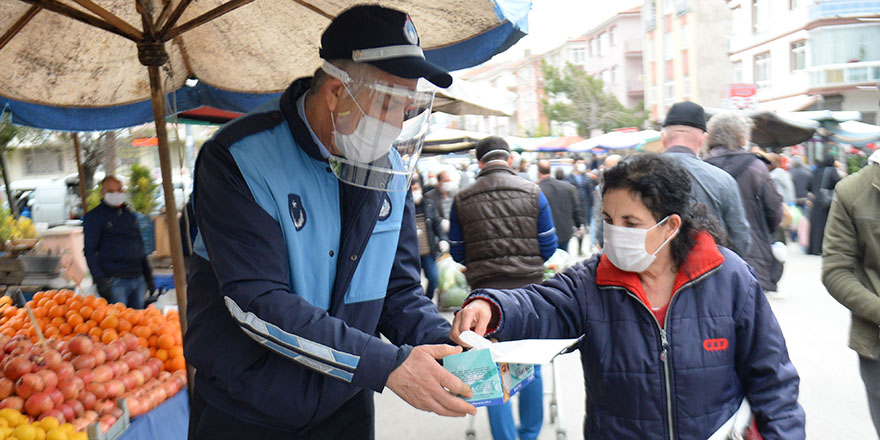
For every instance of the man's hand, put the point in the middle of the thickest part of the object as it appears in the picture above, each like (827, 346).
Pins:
(476, 316)
(421, 382)
(443, 247)
(103, 285)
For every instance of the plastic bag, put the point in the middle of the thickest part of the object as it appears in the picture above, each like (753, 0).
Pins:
(557, 263)
(452, 287)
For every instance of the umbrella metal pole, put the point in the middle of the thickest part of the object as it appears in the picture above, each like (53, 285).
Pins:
(168, 190)
(79, 170)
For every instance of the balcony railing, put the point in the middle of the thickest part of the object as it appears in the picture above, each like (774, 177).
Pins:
(633, 46)
(844, 74)
(635, 87)
(837, 8)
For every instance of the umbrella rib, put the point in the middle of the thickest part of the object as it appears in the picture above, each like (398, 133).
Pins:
(16, 27)
(110, 18)
(315, 9)
(166, 11)
(204, 18)
(91, 20)
(172, 19)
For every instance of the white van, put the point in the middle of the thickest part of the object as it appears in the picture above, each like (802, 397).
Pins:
(46, 198)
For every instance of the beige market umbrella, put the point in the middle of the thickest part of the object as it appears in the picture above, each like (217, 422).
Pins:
(79, 64)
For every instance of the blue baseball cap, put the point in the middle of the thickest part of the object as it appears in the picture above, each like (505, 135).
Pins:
(383, 37)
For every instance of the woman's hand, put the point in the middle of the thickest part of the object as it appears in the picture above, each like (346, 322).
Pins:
(476, 316)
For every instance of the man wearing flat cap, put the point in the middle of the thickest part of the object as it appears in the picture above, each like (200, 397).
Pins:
(501, 229)
(307, 250)
(684, 131)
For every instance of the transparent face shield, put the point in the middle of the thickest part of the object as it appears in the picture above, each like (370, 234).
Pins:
(378, 131)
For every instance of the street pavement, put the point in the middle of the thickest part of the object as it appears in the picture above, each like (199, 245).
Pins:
(816, 328)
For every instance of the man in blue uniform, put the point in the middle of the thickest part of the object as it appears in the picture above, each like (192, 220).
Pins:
(307, 249)
(114, 248)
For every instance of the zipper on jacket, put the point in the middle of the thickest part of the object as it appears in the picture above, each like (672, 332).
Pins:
(664, 357)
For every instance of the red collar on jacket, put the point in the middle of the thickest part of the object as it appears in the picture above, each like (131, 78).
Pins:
(702, 258)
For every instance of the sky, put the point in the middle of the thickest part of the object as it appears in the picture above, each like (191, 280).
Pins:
(551, 22)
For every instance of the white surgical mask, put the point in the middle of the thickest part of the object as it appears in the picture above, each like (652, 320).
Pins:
(417, 197)
(581, 167)
(114, 199)
(370, 140)
(447, 187)
(432, 181)
(625, 247)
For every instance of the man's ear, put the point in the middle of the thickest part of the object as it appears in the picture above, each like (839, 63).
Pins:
(331, 92)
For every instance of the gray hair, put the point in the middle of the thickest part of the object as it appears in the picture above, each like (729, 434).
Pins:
(729, 130)
(357, 71)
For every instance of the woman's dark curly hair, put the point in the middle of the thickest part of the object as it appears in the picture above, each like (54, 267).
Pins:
(665, 189)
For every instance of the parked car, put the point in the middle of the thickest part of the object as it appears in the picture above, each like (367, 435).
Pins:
(43, 200)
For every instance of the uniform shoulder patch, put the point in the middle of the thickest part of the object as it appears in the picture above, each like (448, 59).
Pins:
(385, 211)
(297, 211)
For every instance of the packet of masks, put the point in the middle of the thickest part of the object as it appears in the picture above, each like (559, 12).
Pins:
(497, 371)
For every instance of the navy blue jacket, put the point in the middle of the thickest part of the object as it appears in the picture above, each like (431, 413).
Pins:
(113, 244)
(720, 342)
(272, 217)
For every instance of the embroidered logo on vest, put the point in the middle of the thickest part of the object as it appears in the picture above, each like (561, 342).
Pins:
(719, 344)
(385, 212)
(297, 211)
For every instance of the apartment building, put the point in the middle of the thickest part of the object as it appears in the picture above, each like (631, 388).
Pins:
(685, 54)
(807, 54)
(611, 51)
(523, 77)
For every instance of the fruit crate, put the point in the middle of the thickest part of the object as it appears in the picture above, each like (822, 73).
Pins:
(116, 429)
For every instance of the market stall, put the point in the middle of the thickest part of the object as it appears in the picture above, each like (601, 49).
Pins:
(114, 64)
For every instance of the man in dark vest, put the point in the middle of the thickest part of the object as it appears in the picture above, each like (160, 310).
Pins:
(501, 229)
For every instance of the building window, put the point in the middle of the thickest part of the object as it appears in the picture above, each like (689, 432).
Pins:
(611, 32)
(43, 160)
(737, 72)
(603, 44)
(685, 36)
(759, 15)
(606, 78)
(650, 14)
(667, 46)
(669, 92)
(686, 87)
(614, 76)
(762, 70)
(798, 55)
(590, 47)
(577, 55)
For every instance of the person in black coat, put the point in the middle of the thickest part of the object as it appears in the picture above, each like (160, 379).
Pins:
(114, 248)
(563, 200)
(432, 237)
(821, 190)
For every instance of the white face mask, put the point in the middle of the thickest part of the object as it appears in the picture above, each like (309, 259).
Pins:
(370, 140)
(417, 197)
(625, 247)
(432, 181)
(114, 199)
(447, 187)
(581, 167)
